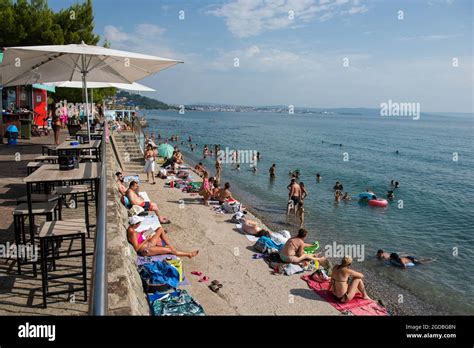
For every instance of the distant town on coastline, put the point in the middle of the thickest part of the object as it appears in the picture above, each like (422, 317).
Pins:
(125, 99)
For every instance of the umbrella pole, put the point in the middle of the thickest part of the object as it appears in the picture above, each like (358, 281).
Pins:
(84, 86)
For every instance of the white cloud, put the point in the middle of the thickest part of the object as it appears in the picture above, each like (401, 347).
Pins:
(115, 34)
(263, 59)
(246, 18)
(436, 37)
(145, 38)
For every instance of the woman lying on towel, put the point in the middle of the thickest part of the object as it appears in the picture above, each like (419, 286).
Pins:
(150, 245)
(293, 251)
(251, 227)
(341, 288)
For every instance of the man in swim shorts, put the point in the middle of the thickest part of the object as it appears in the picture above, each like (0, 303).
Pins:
(294, 195)
(135, 199)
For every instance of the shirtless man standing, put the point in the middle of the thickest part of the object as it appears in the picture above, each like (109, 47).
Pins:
(135, 199)
(294, 195)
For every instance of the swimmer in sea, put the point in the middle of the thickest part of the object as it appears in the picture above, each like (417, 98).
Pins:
(272, 171)
(318, 177)
(346, 197)
(401, 261)
(397, 185)
(390, 195)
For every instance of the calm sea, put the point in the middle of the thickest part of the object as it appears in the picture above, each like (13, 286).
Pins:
(435, 219)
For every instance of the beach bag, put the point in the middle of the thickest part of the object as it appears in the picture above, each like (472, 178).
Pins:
(265, 244)
(260, 246)
(231, 207)
(237, 217)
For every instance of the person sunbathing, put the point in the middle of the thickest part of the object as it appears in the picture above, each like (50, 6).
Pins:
(225, 194)
(251, 227)
(341, 288)
(200, 169)
(293, 250)
(157, 244)
(120, 183)
(135, 199)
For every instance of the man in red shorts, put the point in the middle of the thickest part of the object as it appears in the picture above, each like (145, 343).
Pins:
(135, 199)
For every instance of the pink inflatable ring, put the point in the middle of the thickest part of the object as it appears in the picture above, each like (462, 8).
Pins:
(378, 202)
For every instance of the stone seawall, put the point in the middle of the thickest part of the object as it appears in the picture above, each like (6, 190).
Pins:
(126, 295)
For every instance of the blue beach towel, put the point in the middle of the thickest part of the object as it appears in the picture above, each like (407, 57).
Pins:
(160, 273)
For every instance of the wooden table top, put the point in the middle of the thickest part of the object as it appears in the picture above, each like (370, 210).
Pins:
(38, 208)
(62, 228)
(51, 173)
(66, 145)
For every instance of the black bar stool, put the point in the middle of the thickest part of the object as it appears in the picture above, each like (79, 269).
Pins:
(74, 191)
(20, 213)
(52, 232)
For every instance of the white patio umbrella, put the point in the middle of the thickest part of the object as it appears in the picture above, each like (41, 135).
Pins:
(137, 87)
(125, 86)
(77, 62)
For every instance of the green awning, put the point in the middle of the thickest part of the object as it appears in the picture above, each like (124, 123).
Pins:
(47, 88)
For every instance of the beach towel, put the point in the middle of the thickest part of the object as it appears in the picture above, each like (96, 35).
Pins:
(126, 202)
(178, 303)
(280, 237)
(291, 269)
(128, 178)
(357, 306)
(141, 260)
(159, 273)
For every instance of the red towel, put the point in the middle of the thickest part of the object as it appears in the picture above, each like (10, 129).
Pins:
(357, 306)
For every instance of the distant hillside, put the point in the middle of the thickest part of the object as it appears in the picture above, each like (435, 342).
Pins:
(142, 102)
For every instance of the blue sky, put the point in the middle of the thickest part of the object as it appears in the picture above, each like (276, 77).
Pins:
(299, 61)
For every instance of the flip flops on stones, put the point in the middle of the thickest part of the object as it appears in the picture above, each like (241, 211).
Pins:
(215, 286)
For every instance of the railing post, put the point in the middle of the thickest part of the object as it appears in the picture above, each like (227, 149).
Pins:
(99, 291)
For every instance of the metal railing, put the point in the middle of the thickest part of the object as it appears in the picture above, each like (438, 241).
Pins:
(99, 291)
(139, 134)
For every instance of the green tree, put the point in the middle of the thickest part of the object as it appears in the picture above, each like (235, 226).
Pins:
(31, 23)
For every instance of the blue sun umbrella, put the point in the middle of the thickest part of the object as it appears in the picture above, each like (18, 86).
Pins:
(165, 150)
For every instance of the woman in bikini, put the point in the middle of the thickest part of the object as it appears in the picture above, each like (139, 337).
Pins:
(157, 244)
(206, 188)
(341, 288)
